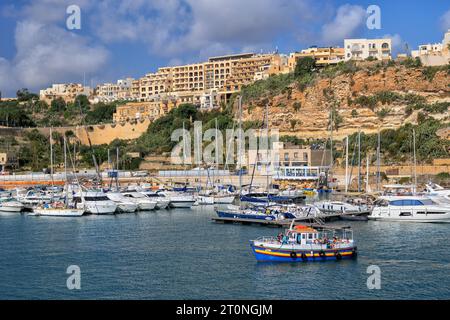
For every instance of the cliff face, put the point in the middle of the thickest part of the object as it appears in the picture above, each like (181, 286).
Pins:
(305, 113)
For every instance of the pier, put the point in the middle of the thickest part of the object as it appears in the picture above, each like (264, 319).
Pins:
(287, 222)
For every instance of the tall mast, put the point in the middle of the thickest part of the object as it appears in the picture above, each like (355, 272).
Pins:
(359, 161)
(51, 157)
(346, 164)
(267, 150)
(117, 168)
(239, 145)
(378, 161)
(367, 173)
(65, 169)
(415, 160)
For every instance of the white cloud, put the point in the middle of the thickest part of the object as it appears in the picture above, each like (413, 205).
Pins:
(175, 27)
(349, 20)
(47, 53)
(398, 45)
(445, 21)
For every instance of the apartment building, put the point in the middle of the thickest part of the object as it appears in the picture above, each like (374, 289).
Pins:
(323, 56)
(210, 82)
(66, 91)
(434, 54)
(362, 49)
(109, 92)
(144, 110)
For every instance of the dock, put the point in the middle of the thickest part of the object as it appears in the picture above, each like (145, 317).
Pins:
(283, 223)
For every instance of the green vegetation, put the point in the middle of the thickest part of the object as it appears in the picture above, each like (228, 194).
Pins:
(281, 84)
(29, 111)
(411, 63)
(157, 139)
(397, 145)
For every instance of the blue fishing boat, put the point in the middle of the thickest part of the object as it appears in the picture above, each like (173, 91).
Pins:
(303, 243)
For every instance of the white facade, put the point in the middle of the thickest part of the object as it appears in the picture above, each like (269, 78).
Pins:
(109, 92)
(361, 49)
(434, 54)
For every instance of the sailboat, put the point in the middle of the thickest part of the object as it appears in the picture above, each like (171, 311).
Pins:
(216, 195)
(58, 208)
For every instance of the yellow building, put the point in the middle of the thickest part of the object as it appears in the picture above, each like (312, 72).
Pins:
(66, 91)
(223, 75)
(144, 110)
(323, 56)
(8, 160)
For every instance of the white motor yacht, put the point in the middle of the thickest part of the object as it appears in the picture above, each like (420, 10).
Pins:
(410, 208)
(144, 203)
(341, 207)
(11, 205)
(178, 200)
(124, 204)
(95, 202)
(161, 201)
(434, 189)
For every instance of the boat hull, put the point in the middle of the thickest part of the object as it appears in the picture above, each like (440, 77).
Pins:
(181, 204)
(126, 207)
(411, 219)
(263, 254)
(236, 215)
(162, 204)
(9, 209)
(71, 213)
(98, 209)
(146, 206)
(224, 200)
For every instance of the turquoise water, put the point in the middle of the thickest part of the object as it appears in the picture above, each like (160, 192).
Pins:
(181, 254)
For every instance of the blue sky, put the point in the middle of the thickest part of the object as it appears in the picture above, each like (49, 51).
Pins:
(121, 38)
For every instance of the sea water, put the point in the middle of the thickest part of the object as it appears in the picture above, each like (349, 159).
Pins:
(182, 254)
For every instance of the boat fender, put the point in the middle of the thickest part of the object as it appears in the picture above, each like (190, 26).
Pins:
(304, 257)
(338, 256)
(322, 254)
(293, 255)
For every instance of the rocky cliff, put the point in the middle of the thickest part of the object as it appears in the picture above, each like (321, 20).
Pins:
(371, 96)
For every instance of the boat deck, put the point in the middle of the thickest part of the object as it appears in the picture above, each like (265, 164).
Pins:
(282, 223)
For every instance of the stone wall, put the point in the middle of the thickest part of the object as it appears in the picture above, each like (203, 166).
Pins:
(103, 133)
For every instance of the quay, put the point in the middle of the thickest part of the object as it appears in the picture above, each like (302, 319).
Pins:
(284, 223)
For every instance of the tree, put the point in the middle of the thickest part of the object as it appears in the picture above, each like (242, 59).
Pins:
(304, 66)
(293, 124)
(58, 105)
(25, 95)
(83, 102)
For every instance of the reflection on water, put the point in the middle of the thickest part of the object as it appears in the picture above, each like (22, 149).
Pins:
(181, 254)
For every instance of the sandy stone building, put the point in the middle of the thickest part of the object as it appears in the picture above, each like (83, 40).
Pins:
(209, 83)
(150, 110)
(66, 91)
(323, 56)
